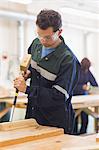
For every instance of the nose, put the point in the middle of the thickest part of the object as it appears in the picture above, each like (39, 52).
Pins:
(43, 40)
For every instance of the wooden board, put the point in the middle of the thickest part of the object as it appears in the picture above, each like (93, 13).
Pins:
(25, 130)
(61, 142)
(7, 126)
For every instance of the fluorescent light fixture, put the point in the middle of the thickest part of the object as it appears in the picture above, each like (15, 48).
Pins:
(21, 1)
(80, 13)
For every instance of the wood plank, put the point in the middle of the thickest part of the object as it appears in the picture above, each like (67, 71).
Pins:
(61, 142)
(24, 131)
(7, 126)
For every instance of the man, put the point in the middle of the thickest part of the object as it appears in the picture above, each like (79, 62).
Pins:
(82, 88)
(53, 72)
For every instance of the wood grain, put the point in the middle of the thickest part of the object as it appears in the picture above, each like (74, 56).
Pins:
(25, 131)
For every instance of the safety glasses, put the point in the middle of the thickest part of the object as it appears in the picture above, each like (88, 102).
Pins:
(53, 37)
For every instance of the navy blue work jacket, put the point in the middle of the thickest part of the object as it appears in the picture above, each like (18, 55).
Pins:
(53, 79)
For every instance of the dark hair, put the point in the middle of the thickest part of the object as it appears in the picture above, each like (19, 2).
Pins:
(85, 63)
(49, 18)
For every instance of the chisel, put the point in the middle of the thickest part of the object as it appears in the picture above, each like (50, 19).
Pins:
(23, 67)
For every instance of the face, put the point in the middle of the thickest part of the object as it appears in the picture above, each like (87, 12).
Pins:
(47, 37)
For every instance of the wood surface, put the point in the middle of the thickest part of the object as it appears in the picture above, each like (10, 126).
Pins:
(25, 130)
(84, 101)
(61, 142)
(7, 126)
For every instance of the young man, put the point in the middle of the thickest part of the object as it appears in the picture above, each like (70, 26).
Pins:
(53, 72)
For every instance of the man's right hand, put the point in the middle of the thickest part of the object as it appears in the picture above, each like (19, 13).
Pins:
(20, 84)
(26, 74)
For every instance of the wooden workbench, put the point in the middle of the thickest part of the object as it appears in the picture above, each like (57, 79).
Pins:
(86, 103)
(77, 101)
(61, 142)
(27, 134)
(81, 103)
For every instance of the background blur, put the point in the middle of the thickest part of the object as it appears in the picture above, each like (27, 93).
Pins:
(17, 30)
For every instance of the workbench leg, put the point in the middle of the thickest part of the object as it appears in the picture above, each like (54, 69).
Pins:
(96, 120)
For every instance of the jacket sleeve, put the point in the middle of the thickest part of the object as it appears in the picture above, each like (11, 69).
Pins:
(29, 52)
(61, 89)
(79, 90)
(92, 79)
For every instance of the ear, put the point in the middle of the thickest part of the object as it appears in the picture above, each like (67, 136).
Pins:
(60, 31)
